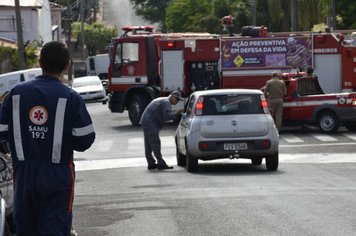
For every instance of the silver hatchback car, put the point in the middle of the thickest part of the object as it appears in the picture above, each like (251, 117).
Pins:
(227, 123)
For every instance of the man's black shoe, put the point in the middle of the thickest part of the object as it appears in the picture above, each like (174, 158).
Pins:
(164, 167)
(152, 166)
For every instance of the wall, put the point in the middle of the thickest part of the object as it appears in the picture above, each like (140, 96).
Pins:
(29, 20)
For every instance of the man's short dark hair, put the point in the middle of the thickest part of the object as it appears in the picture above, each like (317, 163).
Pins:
(310, 70)
(54, 57)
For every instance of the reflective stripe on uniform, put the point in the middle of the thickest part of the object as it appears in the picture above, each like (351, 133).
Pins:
(58, 130)
(4, 128)
(83, 130)
(17, 127)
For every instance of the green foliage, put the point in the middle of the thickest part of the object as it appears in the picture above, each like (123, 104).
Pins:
(205, 15)
(97, 36)
(13, 54)
(185, 15)
(31, 56)
(319, 27)
(346, 11)
(153, 11)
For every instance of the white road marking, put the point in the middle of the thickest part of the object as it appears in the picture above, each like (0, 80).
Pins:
(350, 136)
(290, 138)
(171, 160)
(134, 143)
(104, 145)
(317, 145)
(324, 137)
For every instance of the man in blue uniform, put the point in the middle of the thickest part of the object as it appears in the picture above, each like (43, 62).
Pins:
(152, 120)
(44, 121)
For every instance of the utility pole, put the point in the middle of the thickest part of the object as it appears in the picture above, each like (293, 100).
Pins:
(294, 15)
(83, 16)
(333, 13)
(253, 4)
(69, 38)
(20, 44)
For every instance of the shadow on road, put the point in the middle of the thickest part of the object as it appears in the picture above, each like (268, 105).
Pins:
(214, 169)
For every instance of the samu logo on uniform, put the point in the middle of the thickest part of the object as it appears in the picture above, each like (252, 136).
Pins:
(38, 115)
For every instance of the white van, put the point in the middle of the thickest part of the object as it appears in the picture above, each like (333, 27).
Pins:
(98, 65)
(9, 80)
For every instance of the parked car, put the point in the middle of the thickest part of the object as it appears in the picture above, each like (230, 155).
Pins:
(227, 123)
(6, 193)
(90, 88)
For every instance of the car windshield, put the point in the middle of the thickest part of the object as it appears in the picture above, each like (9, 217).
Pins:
(85, 82)
(232, 104)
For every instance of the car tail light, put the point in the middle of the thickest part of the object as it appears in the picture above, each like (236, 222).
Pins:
(353, 102)
(199, 106)
(264, 104)
(203, 146)
(266, 143)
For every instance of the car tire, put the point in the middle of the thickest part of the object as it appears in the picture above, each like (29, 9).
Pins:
(272, 162)
(138, 103)
(191, 163)
(351, 126)
(256, 161)
(328, 122)
(181, 159)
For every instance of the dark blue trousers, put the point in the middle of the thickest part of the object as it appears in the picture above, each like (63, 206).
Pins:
(43, 198)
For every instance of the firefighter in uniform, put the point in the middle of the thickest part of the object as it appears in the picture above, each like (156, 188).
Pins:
(44, 121)
(274, 91)
(153, 117)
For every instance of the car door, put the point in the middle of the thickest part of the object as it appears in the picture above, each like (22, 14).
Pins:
(184, 125)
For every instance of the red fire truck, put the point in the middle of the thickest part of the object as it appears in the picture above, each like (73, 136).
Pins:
(145, 64)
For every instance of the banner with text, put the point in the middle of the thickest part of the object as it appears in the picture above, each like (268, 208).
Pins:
(280, 53)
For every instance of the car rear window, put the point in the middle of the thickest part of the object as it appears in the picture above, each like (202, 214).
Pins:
(232, 104)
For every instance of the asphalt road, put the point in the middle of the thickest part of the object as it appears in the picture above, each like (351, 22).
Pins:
(312, 193)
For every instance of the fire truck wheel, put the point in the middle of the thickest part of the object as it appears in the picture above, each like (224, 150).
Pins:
(191, 163)
(328, 122)
(138, 104)
(351, 125)
(272, 162)
(256, 161)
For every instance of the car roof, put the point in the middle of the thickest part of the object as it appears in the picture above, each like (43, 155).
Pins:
(226, 91)
(90, 77)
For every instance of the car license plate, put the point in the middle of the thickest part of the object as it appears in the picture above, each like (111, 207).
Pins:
(235, 146)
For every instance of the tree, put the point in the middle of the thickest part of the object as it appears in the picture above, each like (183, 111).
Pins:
(310, 12)
(9, 58)
(205, 15)
(153, 11)
(346, 13)
(97, 36)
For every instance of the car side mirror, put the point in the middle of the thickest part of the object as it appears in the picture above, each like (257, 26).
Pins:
(2, 164)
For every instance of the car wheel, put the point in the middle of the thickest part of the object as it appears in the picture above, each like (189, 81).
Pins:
(351, 126)
(256, 161)
(272, 162)
(181, 159)
(328, 122)
(138, 104)
(191, 163)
